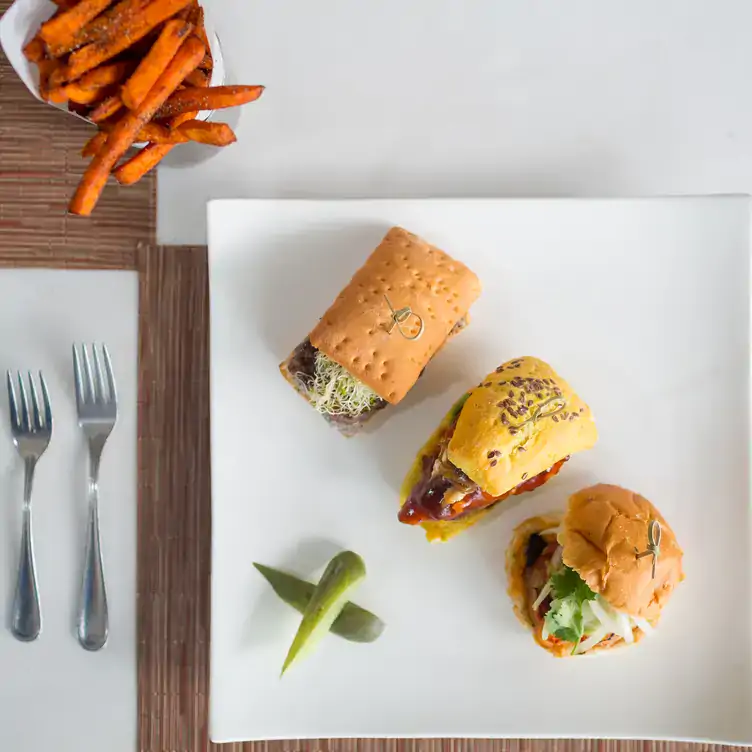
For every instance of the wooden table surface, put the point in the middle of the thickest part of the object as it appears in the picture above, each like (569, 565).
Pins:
(39, 168)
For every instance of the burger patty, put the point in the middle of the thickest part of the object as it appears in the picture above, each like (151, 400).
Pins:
(538, 554)
(427, 500)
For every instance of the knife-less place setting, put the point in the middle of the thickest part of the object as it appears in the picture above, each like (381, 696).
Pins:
(31, 426)
(68, 506)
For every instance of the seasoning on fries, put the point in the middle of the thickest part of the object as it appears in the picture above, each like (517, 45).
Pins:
(141, 71)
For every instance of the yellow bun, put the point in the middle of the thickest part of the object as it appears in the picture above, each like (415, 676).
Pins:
(516, 559)
(497, 445)
(602, 528)
(355, 330)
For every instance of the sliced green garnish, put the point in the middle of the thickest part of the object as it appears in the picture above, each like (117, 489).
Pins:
(354, 623)
(341, 576)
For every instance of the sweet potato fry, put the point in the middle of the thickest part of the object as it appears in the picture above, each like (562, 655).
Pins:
(207, 64)
(76, 93)
(56, 94)
(93, 87)
(152, 66)
(105, 109)
(134, 169)
(160, 134)
(105, 75)
(34, 51)
(102, 26)
(211, 98)
(153, 133)
(131, 30)
(197, 78)
(125, 131)
(64, 28)
(46, 67)
(137, 166)
(94, 144)
(213, 134)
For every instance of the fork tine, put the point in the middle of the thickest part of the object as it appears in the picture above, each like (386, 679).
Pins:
(25, 422)
(46, 400)
(80, 395)
(99, 375)
(90, 389)
(110, 374)
(37, 426)
(12, 400)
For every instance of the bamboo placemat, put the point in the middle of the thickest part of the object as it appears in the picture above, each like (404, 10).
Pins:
(39, 168)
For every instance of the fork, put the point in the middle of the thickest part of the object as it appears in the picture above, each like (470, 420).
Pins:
(31, 435)
(96, 402)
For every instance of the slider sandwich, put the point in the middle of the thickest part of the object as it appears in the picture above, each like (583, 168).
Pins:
(598, 580)
(373, 343)
(510, 434)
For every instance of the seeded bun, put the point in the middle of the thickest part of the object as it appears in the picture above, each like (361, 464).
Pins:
(603, 527)
(498, 443)
(354, 332)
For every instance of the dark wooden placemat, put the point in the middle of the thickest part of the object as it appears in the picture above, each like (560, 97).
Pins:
(39, 168)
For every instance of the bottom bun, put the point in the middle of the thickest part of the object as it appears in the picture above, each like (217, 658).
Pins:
(516, 558)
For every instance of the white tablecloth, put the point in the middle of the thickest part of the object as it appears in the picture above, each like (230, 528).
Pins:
(477, 98)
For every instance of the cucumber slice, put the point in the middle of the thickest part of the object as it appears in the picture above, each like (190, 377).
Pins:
(343, 573)
(355, 624)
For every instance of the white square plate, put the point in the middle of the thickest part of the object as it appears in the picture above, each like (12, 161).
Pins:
(643, 306)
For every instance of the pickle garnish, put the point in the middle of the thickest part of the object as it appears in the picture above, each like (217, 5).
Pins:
(354, 623)
(341, 576)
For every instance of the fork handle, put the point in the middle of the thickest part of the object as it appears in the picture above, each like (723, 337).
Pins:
(93, 619)
(26, 623)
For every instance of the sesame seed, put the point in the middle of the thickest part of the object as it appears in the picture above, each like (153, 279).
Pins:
(554, 419)
(493, 463)
(539, 395)
(582, 409)
(521, 449)
(513, 431)
(524, 475)
(504, 419)
(522, 396)
(530, 403)
(511, 393)
(521, 409)
(572, 417)
(500, 404)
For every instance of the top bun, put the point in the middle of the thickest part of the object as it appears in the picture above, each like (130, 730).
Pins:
(358, 329)
(603, 528)
(519, 421)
